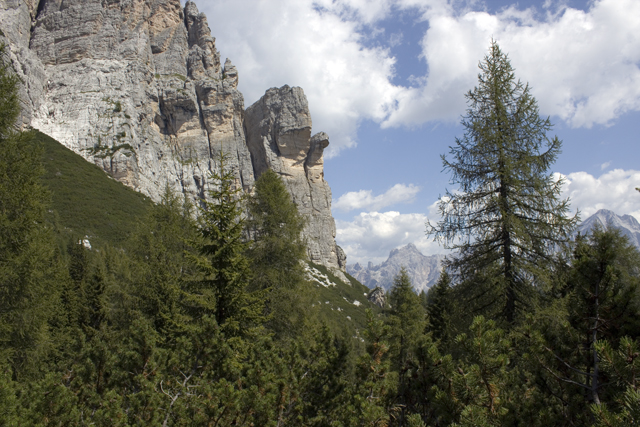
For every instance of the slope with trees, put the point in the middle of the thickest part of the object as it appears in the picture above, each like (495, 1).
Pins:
(214, 322)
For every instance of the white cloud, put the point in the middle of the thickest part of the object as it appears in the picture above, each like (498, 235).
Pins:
(371, 236)
(613, 190)
(365, 200)
(312, 44)
(605, 165)
(582, 66)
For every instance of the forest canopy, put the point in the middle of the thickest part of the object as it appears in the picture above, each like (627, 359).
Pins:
(206, 315)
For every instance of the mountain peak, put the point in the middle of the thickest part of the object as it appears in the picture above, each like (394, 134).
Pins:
(423, 270)
(627, 224)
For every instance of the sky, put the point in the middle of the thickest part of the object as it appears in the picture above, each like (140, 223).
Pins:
(386, 80)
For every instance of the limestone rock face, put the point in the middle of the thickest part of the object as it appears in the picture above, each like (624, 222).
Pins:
(16, 17)
(423, 270)
(137, 87)
(278, 129)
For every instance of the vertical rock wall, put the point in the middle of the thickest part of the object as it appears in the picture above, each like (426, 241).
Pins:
(137, 87)
(278, 129)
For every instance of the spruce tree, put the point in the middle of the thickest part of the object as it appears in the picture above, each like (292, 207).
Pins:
(223, 266)
(407, 321)
(277, 253)
(29, 261)
(159, 249)
(439, 308)
(506, 214)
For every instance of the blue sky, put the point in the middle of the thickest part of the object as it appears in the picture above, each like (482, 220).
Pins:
(386, 80)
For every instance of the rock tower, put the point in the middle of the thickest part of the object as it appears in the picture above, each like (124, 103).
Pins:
(138, 88)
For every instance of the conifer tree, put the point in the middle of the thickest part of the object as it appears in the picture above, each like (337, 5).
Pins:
(29, 262)
(439, 308)
(506, 214)
(604, 281)
(222, 262)
(159, 248)
(277, 252)
(407, 321)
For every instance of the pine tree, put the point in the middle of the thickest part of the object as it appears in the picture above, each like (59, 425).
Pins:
(604, 282)
(222, 262)
(277, 252)
(30, 272)
(506, 214)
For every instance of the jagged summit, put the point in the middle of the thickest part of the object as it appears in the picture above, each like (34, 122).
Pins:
(423, 270)
(627, 224)
(138, 88)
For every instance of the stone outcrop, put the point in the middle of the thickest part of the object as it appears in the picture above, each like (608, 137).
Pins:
(423, 270)
(138, 88)
(377, 297)
(278, 129)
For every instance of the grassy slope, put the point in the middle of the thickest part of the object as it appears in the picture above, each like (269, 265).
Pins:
(87, 201)
(337, 302)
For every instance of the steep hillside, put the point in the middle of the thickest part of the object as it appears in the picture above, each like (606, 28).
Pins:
(86, 200)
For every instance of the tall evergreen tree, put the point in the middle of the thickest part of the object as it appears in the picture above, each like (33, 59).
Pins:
(29, 261)
(407, 320)
(277, 251)
(604, 280)
(159, 248)
(506, 213)
(224, 268)
(439, 308)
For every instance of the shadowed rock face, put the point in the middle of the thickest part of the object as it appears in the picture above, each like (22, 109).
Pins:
(137, 87)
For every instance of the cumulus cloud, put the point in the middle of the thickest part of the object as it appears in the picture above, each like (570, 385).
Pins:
(582, 66)
(613, 190)
(372, 235)
(312, 44)
(365, 200)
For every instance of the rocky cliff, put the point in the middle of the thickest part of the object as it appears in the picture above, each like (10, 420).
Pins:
(423, 270)
(138, 88)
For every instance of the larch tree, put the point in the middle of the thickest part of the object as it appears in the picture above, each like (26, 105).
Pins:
(505, 217)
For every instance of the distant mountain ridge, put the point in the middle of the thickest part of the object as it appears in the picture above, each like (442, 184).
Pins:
(627, 224)
(425, 270)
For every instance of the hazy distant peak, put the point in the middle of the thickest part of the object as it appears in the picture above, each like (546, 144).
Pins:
(627, 224)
